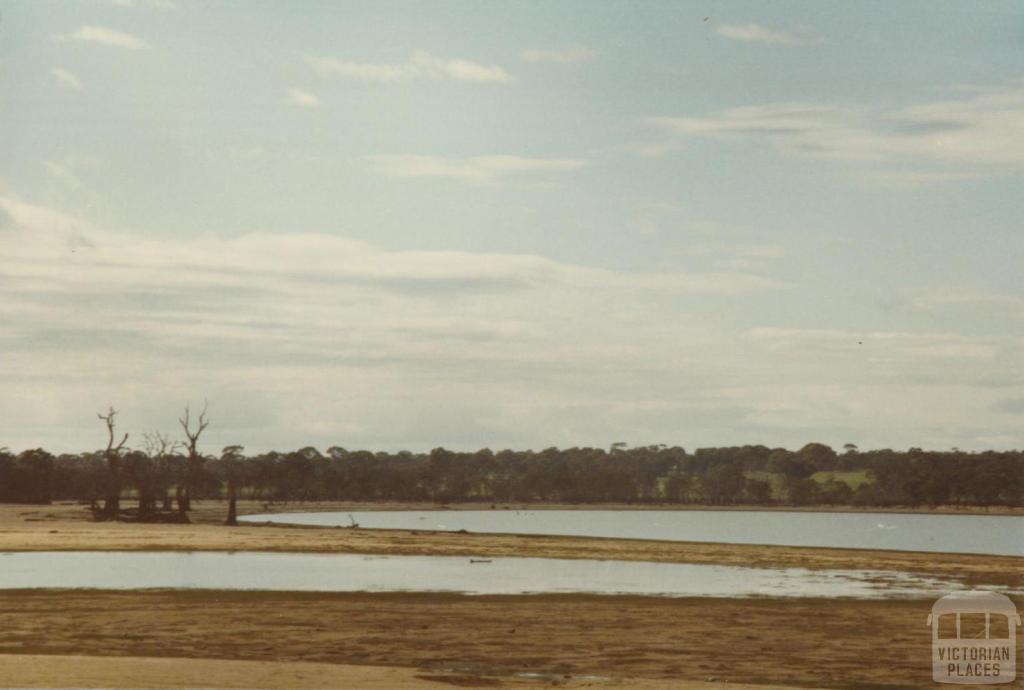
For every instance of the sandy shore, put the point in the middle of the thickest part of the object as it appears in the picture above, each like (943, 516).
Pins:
(55, 671)
(480, 641)
(65, 528)
(251, 507)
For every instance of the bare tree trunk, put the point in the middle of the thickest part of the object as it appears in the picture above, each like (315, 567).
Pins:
(195, 460)
(147, 507)
(232, 504)
(111, 505)
(112, 502)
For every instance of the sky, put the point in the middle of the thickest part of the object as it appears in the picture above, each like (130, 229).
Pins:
(403, 225)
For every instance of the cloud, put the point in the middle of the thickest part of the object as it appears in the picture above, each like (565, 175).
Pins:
(302, 338)
(885, 346)
(155, 4)
(64, 171)
(942, 140)
(354, 341)
(740, 256)
(880, 384)
(910, 179)
(303, 99)
(572, 53)
(66, 78)
(419, 66)
(753, 33)
(106, 37)
(484, 169)
(1012, 406)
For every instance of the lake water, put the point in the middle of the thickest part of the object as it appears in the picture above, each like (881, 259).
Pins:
(351, 572)
(985, 534)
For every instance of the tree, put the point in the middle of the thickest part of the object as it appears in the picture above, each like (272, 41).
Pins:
(758, 491)
(231, 466)
(835, 492)
(678, 487)
(27, 477)
(162, 450)
(112, 501)
(723, 483)
(802, 491)
(194, 464)
(818, 456)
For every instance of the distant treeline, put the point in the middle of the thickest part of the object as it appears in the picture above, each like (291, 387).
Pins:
(816, 474)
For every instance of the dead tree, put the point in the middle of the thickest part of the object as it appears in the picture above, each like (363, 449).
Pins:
(112, 501)
(194, 463)
(160, 448)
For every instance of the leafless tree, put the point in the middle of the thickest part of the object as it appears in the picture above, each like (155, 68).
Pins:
(160, 447)
(194, 465)
(112, 503)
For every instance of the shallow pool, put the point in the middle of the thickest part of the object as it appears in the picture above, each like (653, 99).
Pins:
(349, 572)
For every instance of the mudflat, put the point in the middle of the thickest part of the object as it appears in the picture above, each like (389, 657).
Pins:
(478, 641)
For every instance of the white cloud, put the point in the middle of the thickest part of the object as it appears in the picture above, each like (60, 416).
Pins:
(155, 4)
(66, 78)
(884, 346)
(980, 132)
(303, 99)
(572, 53)
(106, 37)
(915, 178)
(753, 33)
(77, 175)
(420, 66)
(898, 389)
(739, 256)
(963, 302)
(473, 169)
(64, 171)
(315, 339)
(389, 348)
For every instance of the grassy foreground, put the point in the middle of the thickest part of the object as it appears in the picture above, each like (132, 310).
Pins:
(486, 641)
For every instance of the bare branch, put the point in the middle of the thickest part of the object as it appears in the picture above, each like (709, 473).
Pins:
(193, 434)
(185, 421)
(203, 421)
(158, 444)
(109, 420)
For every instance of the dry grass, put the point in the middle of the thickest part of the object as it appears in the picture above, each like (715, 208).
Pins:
(801, 642)
(54, 671)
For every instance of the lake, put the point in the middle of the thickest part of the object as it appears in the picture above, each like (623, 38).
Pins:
(352, 572)
(984, 534)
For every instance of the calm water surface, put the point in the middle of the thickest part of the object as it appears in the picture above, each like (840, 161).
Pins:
(985, 534)
(351, 573)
